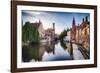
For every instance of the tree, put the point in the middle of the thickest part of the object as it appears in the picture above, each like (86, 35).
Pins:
(63, 34)
(29, 33)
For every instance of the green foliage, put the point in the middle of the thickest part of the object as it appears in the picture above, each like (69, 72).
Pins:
(30, 52)
(63, 34)
(63, 44)
(29, 33)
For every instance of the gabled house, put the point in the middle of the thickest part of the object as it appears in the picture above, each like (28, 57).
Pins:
(39, 26)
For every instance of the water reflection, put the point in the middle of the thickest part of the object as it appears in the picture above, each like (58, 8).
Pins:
(49, 51)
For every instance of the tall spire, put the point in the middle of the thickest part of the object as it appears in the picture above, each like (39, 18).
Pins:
(73, 23)
(73, 29)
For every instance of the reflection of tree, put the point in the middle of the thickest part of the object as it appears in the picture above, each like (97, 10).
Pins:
(63, 34)
(69, 49)
(25, 54)
(63, 45)
(30, 52)
(36, 51)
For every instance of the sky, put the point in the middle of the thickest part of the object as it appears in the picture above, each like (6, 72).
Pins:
(62, 20)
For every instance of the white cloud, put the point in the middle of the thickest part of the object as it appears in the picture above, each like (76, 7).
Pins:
(34, 13)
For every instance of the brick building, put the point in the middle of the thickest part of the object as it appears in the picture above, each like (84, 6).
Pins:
(80, 33)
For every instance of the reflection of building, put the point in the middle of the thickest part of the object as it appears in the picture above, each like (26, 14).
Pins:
(50, 47)
(81, 33)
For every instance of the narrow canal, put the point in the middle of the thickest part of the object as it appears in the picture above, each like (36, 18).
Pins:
(51, 51)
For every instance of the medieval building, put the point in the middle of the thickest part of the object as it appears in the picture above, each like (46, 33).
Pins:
(50, 33)
(73, 32)
(80, 33)
(40, 28)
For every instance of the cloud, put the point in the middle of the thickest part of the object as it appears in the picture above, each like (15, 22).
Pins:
(26, 14)
(32, 13)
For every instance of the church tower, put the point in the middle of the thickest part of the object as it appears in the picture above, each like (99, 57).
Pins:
(53, 34)
(54, 26)
(73, 23)
(73, 29)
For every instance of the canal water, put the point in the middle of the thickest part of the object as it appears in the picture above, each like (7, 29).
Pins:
(51, 51)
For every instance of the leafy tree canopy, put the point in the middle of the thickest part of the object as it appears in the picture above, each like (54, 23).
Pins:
(29, 33)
